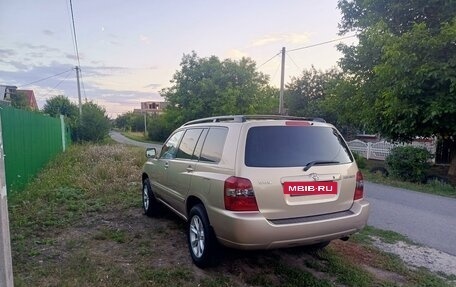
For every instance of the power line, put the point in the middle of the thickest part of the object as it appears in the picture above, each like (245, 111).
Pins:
(74, 33)
(55, 87)
(40, 80)
(275, 73)
(299, 69)
(269, 59)
(322, 43)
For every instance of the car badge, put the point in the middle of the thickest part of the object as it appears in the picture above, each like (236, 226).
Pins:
(314, 176)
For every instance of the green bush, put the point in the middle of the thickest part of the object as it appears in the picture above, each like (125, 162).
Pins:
(360, 160)
(94, 125)
(158, 129)
(408, 163)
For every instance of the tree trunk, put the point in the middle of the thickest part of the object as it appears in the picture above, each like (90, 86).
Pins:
(452, 169)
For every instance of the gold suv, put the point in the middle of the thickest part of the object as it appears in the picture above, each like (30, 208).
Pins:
(256, 182)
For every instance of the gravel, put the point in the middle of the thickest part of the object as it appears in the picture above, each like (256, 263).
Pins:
(421, 256)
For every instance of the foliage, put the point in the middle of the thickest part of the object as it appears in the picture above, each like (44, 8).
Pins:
(60, 105)
(408, 163)
(131, 121)
(360, 161)
(205, 87)
(323, 94)
(305, 95)
(19, 100)
(404, 66)
(93, 125)
(158, 128)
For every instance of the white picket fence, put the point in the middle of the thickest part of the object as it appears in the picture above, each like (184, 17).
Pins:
(380, 150)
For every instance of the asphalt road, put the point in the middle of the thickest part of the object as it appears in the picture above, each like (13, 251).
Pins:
(426, 219)
(118, 137)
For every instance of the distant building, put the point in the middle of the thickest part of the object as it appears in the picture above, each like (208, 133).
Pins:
(6, 92)
(152, 108)
(30, 98)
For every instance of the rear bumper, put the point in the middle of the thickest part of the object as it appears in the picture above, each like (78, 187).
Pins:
(244, 230)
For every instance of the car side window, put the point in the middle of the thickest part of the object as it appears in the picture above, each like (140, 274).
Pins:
(169, 149)
(188, 143)
(213, 145)
(199, 145)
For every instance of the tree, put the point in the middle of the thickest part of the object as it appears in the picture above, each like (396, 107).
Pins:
(60, 105)
(320, 94)
(19, 100)
(158, 128)
(94, 125)
(122, 121)
(305, 94)
(404, 66)
(209, 87)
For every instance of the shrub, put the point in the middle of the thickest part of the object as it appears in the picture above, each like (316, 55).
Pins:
(408, 163)
(94, 125)
(360, 160)
(158, 129)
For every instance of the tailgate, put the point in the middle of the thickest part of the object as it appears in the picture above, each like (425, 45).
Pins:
(276, 201)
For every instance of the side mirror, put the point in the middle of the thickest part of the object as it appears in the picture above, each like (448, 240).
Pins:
(151, 152)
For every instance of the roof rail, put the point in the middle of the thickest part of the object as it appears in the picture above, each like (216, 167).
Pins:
(244, 118)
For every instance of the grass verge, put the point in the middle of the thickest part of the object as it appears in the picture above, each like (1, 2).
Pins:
(434, 187)
(139, 136)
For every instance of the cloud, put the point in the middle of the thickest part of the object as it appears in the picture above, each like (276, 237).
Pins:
(236, 54)
(17, 65)
(116, 100)
(71, 57)
(153, 86)
(48, 32)
(288, 38)
(43, 48)
(4, 53)
(102, 70)
(265, 41)
(144, 39)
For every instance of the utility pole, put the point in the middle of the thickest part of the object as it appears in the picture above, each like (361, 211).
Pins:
(79, 91)
(282, 79)
(145, 124)
(6, 268)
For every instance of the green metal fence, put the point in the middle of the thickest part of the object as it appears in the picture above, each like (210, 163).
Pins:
(30, 140)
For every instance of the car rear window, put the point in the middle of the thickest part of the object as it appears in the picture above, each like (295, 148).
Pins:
(290, 146)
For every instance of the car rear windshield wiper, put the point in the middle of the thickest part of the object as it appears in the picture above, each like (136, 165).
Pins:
(312, 163)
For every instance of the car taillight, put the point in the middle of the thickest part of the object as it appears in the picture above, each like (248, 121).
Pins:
(239, 195)
(359, 189)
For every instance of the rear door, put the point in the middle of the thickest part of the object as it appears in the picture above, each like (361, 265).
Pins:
(298, 169)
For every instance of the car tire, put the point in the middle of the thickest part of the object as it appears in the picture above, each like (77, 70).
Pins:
(202, 243)
(150, 204)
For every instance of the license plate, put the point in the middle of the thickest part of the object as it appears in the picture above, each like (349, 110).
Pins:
(310, 188)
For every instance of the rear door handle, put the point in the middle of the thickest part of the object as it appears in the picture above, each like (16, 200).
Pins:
(189, 168)
(166, 164)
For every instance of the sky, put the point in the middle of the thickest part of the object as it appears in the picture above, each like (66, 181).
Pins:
(129, 50)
